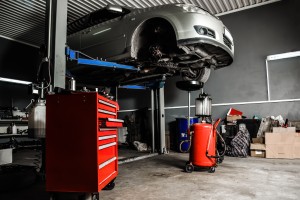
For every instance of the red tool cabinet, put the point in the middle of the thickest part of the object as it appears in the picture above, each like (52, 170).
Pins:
(81, 142)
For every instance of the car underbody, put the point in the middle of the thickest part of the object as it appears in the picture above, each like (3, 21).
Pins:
(157, 52)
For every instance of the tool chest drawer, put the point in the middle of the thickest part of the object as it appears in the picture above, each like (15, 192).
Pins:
(107, 131)
(106, 114)
(106, 152)
(108, 169)
(107, 106)
(108, 139)
(109, 122)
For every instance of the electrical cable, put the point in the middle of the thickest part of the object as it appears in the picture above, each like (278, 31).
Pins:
(49, 73)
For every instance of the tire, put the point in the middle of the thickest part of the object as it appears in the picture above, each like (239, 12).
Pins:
(189, 168)
(220, 160)
(110, 186)
(212, 170)
(89, 196)
(95, 196)
(53, 196)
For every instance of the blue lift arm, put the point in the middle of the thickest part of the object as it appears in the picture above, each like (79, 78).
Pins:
(75, 56)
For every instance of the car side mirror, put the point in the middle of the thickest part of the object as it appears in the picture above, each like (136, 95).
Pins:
(114, 8)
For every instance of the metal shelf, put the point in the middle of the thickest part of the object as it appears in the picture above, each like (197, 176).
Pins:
(8, 121)
(13, 135)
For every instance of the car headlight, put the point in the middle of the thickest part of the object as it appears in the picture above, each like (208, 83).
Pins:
(192, 8)
(202, 30)
(228, 34)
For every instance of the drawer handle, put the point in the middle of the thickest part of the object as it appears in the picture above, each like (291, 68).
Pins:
(106, 112)
(106, 103)
(107, 145)
(107, 137)
(115, 120)
(107, 162)
(107, 129)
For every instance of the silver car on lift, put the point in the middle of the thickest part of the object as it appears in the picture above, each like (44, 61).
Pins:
(169, 39)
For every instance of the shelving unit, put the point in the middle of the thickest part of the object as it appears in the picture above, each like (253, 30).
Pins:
(4, 123)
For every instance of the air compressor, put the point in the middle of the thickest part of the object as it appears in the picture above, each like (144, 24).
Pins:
(203, 138)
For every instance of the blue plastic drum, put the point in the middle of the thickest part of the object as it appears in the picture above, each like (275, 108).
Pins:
(183, 141)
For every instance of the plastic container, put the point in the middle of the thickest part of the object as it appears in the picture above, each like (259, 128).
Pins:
(14, 129)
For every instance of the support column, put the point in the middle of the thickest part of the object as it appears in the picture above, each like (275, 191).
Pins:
(152, 119)
(161, 105)
(56, 11)
(189, 108)
(158, 120)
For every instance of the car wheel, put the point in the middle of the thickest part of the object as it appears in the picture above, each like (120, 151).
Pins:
(200, 74)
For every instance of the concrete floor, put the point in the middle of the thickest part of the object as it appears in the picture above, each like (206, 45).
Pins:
(162, 177)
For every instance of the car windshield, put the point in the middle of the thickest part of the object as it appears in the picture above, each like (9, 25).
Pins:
(94, 18)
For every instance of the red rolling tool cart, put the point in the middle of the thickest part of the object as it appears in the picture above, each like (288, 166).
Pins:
(81, 142)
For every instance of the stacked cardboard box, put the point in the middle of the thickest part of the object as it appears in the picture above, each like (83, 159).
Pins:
(233, 115)
(283, 143)
(258, 150)
(233, 118)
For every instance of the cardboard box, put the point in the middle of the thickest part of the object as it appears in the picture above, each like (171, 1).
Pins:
(259, 140)
(284, 130)
(258, 153)
(256, 146)
(258, 150)
(282, 145)
(279, 151)
(280, 138)
(297, 151)
(232, 118)
(297, 138)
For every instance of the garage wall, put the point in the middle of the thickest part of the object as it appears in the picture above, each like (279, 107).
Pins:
(17, 61)
(258, 32)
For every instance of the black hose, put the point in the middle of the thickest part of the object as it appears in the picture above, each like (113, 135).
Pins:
(223, 142)
(181, 143)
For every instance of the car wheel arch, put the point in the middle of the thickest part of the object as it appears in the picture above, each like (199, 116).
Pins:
(136, 44)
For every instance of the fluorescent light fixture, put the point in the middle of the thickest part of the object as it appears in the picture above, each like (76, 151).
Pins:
(101, 31)
(9, 80)
(283, 55)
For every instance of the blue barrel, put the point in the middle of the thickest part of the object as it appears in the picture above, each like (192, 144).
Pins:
(183, 142)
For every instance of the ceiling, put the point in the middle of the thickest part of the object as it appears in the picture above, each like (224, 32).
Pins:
(24, 20)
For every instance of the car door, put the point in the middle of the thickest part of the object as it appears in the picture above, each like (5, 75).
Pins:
(106, 40)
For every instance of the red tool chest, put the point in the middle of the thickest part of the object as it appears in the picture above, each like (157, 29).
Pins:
(81, 142)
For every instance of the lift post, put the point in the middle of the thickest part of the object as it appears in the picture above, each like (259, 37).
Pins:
(158, 119)
(56, 34)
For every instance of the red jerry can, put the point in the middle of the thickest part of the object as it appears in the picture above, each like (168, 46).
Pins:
(203, 146)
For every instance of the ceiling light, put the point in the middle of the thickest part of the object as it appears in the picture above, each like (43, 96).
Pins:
(9, 80)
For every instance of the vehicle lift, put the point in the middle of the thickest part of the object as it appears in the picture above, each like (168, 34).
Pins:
(55, 57)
